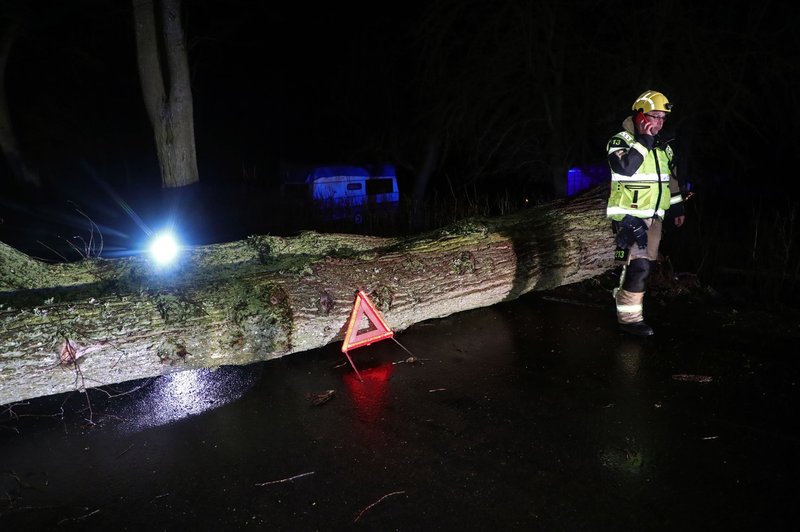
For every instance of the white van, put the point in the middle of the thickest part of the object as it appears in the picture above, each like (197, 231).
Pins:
(346, 192)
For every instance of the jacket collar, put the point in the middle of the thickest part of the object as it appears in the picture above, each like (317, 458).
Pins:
(627, 125)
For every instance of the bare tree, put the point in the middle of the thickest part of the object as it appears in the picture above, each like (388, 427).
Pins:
(493, 80)
(166, 87)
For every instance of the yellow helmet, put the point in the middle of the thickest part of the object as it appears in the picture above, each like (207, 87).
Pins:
(652, 101)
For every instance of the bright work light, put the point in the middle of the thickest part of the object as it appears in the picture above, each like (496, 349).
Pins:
(164, 248)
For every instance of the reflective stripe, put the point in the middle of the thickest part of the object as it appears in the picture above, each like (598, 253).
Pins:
(630, 142)
(675, 199)
(640, 148)
(640, 213)
(629, 308)
(627, 136)
(640, 177)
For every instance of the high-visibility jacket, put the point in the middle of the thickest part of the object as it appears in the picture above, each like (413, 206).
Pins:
(646, 190)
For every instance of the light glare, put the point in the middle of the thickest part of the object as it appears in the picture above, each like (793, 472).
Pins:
(164, 248)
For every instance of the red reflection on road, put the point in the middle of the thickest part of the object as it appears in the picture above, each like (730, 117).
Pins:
(370, 397)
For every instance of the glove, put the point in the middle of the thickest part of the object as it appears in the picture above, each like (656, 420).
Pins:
(629, 230)
(637, 230)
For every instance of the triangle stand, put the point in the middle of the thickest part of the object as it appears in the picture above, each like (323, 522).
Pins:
(358, 336)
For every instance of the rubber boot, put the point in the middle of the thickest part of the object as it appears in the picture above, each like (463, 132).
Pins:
(630, 313)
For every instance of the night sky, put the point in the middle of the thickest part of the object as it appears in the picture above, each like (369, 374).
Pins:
(507, 93)
(295, 83)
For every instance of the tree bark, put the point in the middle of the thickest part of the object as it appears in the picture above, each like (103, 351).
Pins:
(166, 87)
(73, 326)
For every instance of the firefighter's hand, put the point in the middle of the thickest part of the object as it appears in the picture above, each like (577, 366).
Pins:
(679, 220)
(644, 126)
(645, 129)
(632, 229)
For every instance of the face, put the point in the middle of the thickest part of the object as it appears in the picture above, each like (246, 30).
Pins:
(656, 119)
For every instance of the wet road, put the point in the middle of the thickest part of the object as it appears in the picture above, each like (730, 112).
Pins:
(531, 415)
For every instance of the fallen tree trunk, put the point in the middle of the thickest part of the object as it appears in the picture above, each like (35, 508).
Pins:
(96, 322)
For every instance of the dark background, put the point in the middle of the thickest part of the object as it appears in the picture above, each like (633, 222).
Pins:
(507, 95)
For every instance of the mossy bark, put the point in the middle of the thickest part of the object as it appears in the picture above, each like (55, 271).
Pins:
(97, 322)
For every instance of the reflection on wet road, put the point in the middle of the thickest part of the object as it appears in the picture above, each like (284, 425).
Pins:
(534, 415)
(177, 395)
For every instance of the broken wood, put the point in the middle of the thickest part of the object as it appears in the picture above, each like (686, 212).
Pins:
(265, 297)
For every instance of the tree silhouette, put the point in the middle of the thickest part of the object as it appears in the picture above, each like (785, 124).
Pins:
(12, 18)
(517, 91)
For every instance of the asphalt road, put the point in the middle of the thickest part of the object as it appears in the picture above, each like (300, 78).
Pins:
(531, 415)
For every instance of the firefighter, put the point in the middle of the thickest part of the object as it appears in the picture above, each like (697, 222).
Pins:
(643, 188)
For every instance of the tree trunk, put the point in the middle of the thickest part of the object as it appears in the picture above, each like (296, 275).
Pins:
(166, 87)
(416, 217)
(73, 326)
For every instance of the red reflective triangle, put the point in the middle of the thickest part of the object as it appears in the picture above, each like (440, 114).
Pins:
(375, 331)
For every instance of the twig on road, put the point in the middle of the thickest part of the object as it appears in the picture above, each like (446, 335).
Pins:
(79, 518)
(693, 378)
(284, 479)
(376, 503)
(126, 450)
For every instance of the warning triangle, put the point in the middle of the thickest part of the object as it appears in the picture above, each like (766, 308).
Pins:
(359, 335)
